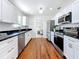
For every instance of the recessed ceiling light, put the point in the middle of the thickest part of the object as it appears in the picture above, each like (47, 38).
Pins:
(50, 8)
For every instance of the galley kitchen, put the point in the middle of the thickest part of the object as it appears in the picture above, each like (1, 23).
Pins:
(39, 29)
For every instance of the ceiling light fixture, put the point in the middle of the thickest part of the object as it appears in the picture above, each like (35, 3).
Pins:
(50, 8)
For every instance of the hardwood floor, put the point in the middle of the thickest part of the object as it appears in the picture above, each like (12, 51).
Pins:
(40, 48)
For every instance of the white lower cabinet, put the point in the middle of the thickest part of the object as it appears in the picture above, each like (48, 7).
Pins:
(71, 47)
(28, 37)
(49, 36)
(76, 51)
(69, 50)
(9, 48)
(11, 55)
(52, 37)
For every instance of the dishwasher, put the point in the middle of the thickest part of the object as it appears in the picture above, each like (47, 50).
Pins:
(21, 42)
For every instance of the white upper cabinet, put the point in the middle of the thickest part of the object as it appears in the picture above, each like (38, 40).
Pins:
(0, 8)
(24, 20)
(14, 16)
(9, 12)
(75, 12)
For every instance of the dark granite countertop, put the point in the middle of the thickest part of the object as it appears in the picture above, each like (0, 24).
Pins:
(76, 37)
(13, 33)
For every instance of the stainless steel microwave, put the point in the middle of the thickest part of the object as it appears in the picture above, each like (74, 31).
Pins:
(67, 18)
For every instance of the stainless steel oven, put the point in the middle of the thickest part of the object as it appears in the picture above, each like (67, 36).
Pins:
(72, 31)
(59, 39)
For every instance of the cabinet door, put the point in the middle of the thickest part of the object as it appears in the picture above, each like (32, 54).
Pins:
(30, 35)
(15, 54)
(76, 51)
(11, 55)
(70, 51)
(8, 12)
(5, 11)
(14, 15)
(49, 35)
(52, 37)
(0, 8)
(75, 12)
(27, 38)
(68, 48)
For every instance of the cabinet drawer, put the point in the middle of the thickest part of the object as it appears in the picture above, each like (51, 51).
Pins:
(4, 45)
(6, 51)
(15, 53)
(67, 38)
(52, 39)
(8, 41)
(7, 46)
(11, 55)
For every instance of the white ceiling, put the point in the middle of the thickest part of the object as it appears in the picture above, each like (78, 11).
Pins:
(33, 6)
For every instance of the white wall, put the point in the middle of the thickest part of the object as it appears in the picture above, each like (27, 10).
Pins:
(4, 26)
(39, 22)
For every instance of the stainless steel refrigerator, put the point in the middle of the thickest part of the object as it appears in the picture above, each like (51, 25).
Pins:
(50, 27)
